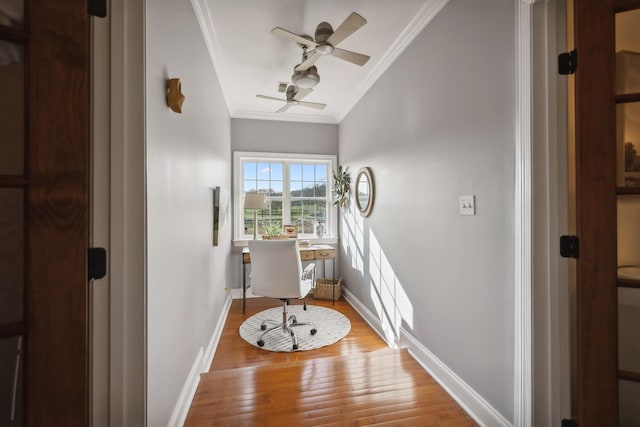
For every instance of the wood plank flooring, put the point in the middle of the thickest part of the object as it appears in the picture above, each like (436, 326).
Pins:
(356, 382)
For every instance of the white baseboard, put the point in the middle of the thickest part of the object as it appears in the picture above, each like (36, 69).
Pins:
(200, 365)
(368, 316)
(215, 336)
(477, 408)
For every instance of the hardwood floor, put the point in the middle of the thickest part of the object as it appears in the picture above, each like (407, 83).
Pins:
(357, 381)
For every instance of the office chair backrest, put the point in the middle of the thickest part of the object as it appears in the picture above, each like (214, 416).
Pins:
(276, 269)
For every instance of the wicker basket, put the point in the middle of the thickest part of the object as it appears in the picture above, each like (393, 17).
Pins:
(324, 289)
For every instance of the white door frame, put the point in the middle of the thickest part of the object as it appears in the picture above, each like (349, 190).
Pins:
(542, 378)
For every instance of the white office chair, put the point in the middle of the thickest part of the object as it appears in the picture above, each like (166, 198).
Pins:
(276, 272)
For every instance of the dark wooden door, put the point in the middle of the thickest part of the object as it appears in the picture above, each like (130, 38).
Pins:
(44, 160)
(607, 85)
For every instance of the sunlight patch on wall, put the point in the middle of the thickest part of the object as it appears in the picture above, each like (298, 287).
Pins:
(353, 238)
(387, 293)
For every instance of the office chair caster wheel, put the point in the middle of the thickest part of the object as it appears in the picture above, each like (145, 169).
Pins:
(314, 331)
(263, 327)
(295, 346)
(261, 343)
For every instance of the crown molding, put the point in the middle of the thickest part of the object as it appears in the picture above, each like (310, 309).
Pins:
(424, 16)
(203, 16)
(287, 117)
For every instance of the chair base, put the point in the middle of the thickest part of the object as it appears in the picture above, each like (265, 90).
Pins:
(286, 324)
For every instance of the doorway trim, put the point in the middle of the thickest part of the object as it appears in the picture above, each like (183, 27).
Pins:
(541, 205)
(523, 388)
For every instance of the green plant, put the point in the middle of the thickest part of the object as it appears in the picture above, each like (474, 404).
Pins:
(341, 184)
(272, 229)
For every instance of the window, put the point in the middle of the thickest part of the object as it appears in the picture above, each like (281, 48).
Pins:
(297, 189)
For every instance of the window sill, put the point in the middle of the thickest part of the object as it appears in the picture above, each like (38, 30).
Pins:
(316, 241)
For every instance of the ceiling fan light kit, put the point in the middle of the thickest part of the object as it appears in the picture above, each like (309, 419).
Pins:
(305, 75)
(306, 78)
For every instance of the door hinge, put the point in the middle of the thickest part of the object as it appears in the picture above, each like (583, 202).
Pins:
(569, 246)
(97, 263)
(570, 422)
(97, 8)
(568, 62)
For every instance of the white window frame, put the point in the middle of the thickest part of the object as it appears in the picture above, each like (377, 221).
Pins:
(238, 190)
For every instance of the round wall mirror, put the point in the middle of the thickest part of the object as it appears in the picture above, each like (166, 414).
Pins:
(364, 191)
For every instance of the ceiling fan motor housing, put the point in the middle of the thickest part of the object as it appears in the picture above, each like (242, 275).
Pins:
(323, 32)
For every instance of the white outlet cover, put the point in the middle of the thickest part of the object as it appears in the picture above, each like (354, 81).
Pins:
(467, 205)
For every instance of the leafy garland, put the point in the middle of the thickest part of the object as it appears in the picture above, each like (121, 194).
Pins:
(341, 184)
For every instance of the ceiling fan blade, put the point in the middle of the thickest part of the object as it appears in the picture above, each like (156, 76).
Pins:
(348, 27)
(309, 62)
(284, 108)
(354, 57)
(270, 97)
(296, 38)
(302, 92)
(315, 105)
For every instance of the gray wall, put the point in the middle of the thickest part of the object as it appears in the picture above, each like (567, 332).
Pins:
(437, 125)
(187, 155)
(283, 137)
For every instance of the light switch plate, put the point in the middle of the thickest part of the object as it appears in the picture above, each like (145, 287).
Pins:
(467, 205)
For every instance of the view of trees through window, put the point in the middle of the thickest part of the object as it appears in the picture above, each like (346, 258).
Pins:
(296, 194)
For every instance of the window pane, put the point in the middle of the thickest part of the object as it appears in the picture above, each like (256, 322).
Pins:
(295, 172)
(11, 255)
(12, 14)
(264, 187)
(629, 329)
(275, 209)
(321, 172)
(264, 171)
(629, 408)
(248, 221)
(296, 189)
(12, 108)
(628, 232)
(308, 214)
(250, 186)
(297, 218)
(250, 170)
(321, 190)
(11, 381)
(308, 172)
(271, 215)
(276, 171)
(629, 144)
(276, 188)
(627, 52)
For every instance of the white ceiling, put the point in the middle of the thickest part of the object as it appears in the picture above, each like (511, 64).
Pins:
(249, 60)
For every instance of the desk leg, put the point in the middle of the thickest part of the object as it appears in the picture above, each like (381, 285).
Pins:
(244, 286)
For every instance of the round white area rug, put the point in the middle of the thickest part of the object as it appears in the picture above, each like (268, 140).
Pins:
(332, 327)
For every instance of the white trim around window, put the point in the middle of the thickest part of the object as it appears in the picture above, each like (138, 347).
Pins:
(240, 238)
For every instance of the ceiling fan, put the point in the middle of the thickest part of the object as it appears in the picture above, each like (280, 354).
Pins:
(326, 41)
(294, 96)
